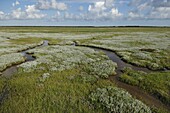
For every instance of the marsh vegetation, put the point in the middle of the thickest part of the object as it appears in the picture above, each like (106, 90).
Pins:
(68, 78)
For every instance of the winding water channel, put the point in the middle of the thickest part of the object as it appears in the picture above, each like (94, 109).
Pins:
(133, 90)
(13, 69)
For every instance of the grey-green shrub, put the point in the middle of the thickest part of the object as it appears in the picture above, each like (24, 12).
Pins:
(116, 100)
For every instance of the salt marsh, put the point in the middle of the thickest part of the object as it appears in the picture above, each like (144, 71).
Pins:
(69, 76)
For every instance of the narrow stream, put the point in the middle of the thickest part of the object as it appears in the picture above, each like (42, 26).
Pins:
(133, 90)
(13, 69)
(120, 63)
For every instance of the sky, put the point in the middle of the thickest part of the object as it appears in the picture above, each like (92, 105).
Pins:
(85, 13)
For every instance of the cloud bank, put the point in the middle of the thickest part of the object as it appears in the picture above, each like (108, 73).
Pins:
(89, 10)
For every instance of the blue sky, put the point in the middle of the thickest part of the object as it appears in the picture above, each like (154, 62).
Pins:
(84, 12)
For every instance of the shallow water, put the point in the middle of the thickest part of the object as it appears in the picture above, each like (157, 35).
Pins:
(115, 58)
(28, 56)
(133, 90)
(13, 69)
(45, 43)
(120, 63)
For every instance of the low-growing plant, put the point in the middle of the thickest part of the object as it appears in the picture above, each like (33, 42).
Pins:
(116, 100)
(10, 59)
(156, 83)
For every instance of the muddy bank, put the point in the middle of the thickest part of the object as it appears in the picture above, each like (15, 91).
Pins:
(140, 94)
(13, 69)
(4, 94)
(28, 57)
(121, 64)
(43, 43)
(124, 62)
(133, 90)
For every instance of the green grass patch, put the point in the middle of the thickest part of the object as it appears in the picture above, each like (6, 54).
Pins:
(81, 29)
(61, 92)
(53, 41)
(156, 83)
(137, 43)
(2, 84)
(23, 41)
(74, 79)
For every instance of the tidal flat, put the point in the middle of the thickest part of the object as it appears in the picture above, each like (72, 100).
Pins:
(85, 69)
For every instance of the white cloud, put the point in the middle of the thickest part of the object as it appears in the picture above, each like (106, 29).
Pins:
(15, 3)
(31, 8)
(1, 15)
(4, 16)
(150, 9)
(109, 3)
(134, 15)
(33, 13)
(136, 2)
(43, 4)
(81, 8)
(93, 1)
(57, 17)
(115, 12)
(97, 7)
(66, 16)
(53, 4)
(82, 1)
(29, 13)
(160, 13)
(99, 11)
(18, 14)
(143, 6)
(58, 5)
(160, 3)
(96, 12)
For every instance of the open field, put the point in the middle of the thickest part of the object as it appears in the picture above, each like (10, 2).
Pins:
(69, 69)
